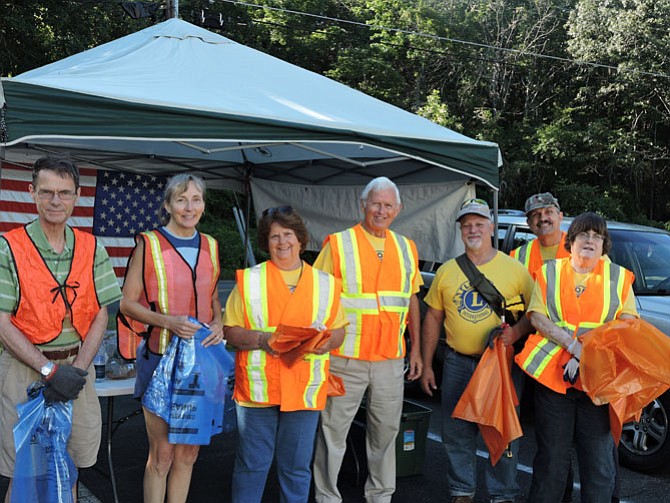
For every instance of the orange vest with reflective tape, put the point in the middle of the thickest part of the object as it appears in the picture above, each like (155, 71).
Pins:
(602, 300)
(42, 300)
(530, 255)
(375, 293)
(171, 287)
(264, 379)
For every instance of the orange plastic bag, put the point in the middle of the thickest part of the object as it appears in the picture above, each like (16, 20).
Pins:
(624, 363)
(292, 343)
(490, 400)
(335, 385)
(286, 337)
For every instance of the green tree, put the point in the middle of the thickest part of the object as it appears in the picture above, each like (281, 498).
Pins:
(36, 32)
(619, 115)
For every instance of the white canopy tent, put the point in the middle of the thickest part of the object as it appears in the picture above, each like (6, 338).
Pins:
(175, 97)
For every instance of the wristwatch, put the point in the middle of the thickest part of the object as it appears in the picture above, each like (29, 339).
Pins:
(47, 369)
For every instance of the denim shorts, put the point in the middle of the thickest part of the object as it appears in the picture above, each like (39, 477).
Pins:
(145, 364)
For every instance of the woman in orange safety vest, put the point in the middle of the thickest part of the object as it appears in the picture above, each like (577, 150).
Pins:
(572, 296)
(172, 274)
(279, 399)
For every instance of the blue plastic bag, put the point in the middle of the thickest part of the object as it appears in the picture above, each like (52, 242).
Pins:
(44, 471)
(188, 389)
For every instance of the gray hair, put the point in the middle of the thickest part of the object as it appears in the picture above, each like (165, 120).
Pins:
(378, 184)
(176, 186)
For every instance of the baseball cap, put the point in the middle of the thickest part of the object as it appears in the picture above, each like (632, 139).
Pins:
(543, 200)
(474, 207)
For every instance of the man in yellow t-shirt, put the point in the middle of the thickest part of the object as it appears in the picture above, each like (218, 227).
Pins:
(468, 320)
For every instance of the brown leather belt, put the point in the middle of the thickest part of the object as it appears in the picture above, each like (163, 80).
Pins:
(61, 354)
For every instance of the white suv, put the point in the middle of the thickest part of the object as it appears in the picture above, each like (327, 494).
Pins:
(645, 445)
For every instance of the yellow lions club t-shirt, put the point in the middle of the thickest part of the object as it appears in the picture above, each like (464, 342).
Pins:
(468, 317)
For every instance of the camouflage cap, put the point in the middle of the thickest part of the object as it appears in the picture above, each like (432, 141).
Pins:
(543, 200)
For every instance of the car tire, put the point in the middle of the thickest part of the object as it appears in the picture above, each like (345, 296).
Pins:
(645, 445)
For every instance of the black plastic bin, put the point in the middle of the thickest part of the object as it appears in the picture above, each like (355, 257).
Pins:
(411, 441)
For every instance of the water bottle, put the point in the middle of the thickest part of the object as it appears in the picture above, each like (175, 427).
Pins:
(99, 362)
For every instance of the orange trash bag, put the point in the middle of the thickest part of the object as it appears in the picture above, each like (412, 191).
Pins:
(335, 385)
(624, 363)
(292, 343)
(490, 400)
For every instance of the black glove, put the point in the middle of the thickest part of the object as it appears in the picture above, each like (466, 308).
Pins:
(66, 382)
(51, 395)
(496, 332)
(571, 370)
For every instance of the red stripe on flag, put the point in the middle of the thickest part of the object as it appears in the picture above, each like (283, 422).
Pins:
(22, 186)
(118, 251)
(17, 207)
(120, 272)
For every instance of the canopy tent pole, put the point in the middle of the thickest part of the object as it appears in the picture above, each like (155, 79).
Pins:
(247, 190)
(495, 217)
(172, 8)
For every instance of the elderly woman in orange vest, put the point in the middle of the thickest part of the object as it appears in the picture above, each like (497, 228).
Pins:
(172, 274)
(572, 296)
(278, 405)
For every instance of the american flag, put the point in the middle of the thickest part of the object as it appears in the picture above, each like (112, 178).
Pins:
(113, 205)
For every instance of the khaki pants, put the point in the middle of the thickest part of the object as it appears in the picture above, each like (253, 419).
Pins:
(86, 419)
(383, 382)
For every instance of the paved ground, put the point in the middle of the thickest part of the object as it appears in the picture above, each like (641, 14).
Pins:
(213, 471)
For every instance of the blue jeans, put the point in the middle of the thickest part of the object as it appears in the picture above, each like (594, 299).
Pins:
(264, 432)
(560, 420)
(460, 437)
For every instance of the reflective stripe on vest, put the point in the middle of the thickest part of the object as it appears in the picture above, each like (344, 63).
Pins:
(161, 276)
(356, 303)
(530, 254)
(162, 280)
(256, 300)
(523, 253)
(545, 350)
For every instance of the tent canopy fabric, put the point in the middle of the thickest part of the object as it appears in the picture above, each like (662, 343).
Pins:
(175, 97)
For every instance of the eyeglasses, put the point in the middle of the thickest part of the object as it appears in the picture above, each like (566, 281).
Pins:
(286, 210)
(63, 195)
(583, 236)
(474, 201)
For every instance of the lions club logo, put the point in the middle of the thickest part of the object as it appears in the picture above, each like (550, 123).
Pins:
(470, 304)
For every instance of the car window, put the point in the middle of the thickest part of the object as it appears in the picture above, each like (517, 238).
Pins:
(647, 254)
(521, 236)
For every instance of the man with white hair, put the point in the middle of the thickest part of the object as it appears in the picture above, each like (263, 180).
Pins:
(380, 279)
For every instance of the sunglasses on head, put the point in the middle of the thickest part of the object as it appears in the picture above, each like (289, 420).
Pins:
(474, 201)
(286, 210)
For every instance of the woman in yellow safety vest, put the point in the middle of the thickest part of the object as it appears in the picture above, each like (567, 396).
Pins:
(278, 401)
(572, 296)
(172, 274)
